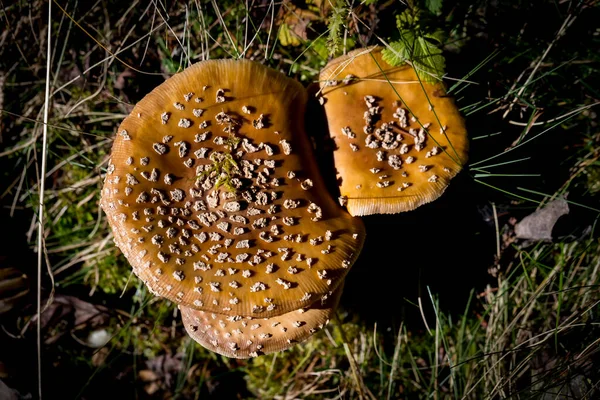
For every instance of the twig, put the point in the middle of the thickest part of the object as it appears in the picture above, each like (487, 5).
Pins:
(272, 6)
(41, 203)
(423, 315)
(497, 231)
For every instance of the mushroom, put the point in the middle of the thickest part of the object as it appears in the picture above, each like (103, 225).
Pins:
(399, 140)
(244, 337)
(214, 196)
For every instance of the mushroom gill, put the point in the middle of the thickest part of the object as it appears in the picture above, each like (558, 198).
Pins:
(398, 140)
(214, 197)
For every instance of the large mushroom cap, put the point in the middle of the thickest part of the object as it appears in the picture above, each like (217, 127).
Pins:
(244, 337)
(399, 141)
(215, 199)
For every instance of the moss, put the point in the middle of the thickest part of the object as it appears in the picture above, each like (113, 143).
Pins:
(489, 345)
(593, 179)
(110, 274)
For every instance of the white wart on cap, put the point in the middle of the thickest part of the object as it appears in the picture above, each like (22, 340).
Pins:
(245, 337)
(214, 196)
(398, 141)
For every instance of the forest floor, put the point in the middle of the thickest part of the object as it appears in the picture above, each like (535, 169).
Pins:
(479, 313)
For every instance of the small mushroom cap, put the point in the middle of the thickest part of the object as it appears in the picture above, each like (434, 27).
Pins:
(399, 141)
(214, 196)
(245, 337)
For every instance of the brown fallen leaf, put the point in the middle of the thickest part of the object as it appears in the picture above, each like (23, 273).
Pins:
(151, 388)
(14, 286)
(292, 31)
(294, 23)
(100, 356)
(67, 312)
(165, 367)
(120, 82)
(7, 393)
(147, 375)
(539, 224)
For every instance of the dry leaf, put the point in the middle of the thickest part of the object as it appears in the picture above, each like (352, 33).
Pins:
(539, 225)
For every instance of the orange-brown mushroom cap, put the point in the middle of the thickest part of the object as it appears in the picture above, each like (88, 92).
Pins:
(244, 337)
(398, 140)
(214, 197)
